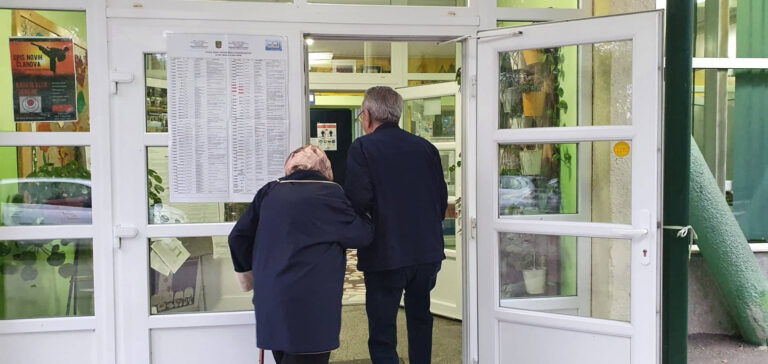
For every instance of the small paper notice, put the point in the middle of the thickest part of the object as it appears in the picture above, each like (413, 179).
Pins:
(167, 255)
(221, 247)
(326, 136)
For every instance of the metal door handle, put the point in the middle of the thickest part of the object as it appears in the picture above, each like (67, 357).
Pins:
(124, 232)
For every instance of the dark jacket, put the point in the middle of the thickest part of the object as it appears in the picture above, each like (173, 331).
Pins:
(301, 225)
(397, 178)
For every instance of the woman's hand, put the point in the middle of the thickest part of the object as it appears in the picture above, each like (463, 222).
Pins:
(246, 280)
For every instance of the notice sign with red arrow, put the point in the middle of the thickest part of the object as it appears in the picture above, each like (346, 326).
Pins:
(43, 70)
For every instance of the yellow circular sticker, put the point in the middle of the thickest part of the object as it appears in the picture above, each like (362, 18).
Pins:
(621, 149)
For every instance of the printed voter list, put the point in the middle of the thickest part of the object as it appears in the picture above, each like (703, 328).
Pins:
(227, 115)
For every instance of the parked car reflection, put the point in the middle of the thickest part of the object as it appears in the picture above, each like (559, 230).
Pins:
(45, 201)
(516, 192)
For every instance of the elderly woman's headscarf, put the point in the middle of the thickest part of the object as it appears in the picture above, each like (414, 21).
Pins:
(309, 158)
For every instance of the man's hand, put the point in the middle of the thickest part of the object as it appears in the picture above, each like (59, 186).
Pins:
(246, 280)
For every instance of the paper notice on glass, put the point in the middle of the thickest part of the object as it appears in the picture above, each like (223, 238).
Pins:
(221, 247)
(227, 115)
(171, 252)
(158, 264)
(326, 136)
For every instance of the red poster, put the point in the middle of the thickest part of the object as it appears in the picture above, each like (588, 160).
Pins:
(43, 71)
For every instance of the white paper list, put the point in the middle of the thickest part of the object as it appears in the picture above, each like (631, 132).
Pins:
(228, 115)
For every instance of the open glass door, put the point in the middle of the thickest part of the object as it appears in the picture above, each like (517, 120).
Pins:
(434, 113)
(569, 125)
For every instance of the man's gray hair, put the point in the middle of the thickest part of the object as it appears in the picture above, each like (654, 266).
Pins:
(384, 104)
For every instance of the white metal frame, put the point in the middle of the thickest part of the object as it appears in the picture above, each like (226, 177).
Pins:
(644, 29)
(447, 306)
(295, 19)
(103, 324)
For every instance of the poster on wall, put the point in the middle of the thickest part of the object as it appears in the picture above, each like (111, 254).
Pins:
(227, 115)
(44, 84)
(326, 136)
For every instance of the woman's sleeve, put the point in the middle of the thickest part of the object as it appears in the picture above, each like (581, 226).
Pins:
(242, 239)
(354, 231)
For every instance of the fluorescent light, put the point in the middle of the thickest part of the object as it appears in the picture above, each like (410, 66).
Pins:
(310, 41)
(320, 56)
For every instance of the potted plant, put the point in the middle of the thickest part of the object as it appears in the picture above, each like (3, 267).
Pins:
(534, 98)
(530, 161)
(532, 56)
(521, 254)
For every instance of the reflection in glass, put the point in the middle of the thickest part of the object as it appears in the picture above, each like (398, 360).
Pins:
(433, 118)
(349, 56)
(45, 186)
(539, 87)
(709, 30)
(536, 266)
(559, 4)
(162, 211)
(46, 278)
(193, 274)
(394, 2)
(543, 179)
(428, 57)
(156, 89)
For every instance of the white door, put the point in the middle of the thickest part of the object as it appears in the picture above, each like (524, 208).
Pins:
(196, 313)
(434, 112)
(568, 143)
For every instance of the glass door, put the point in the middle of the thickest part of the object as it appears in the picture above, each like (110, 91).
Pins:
(186, 306)
(434, 113)
(569, 125)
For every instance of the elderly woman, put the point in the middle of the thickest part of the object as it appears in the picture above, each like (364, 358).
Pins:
(290, 248)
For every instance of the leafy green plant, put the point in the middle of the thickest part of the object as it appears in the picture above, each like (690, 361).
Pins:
(154, 187)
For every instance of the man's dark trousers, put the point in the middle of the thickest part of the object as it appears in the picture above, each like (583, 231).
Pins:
(383, 292)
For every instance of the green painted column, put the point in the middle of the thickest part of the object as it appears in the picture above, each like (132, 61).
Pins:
(677, 136)
(743, 285)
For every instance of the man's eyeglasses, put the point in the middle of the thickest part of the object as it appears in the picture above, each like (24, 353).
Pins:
(359, 116)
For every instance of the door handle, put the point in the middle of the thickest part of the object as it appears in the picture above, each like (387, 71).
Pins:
(118, 78)
(124, 232)
(632, 233)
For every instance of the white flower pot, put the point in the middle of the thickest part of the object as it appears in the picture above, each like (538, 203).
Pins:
(530, 162)
(535, 280)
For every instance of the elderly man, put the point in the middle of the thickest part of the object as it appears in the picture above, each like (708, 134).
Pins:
(397, 178)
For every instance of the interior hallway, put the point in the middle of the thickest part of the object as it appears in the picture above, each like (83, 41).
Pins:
(446, 344)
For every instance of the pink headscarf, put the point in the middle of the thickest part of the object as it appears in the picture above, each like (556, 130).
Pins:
(309, 158)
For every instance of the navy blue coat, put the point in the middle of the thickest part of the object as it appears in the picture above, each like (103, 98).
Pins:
(293, 237)
(397, 178)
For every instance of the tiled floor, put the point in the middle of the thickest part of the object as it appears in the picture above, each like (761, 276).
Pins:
(354, 283)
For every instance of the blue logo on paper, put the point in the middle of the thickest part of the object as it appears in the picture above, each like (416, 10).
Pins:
(274, 45)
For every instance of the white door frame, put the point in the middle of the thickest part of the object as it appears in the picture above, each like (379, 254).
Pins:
(445, 300)
(644, 29)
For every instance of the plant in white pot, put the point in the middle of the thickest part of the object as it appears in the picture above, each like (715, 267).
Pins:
(520, 254)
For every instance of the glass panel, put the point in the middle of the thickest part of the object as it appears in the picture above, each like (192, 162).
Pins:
(716, 28)
(394, 2)
(37, 94)
(448, 161)
(730, 100)
(537, 266)
(46, 278)
(451, 230)
(505, 24)
(45, 186)
(544, 179)
(201, 280)
(349, 56)
(559, 4)
(428, 57)
(539, 87)
(162, 211)
(433, 118)
(156, 83)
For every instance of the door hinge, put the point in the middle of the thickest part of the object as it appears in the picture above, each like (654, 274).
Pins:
(119, 77)
(473, 228)
(474, 361)
(124, 232)
(473, 86)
